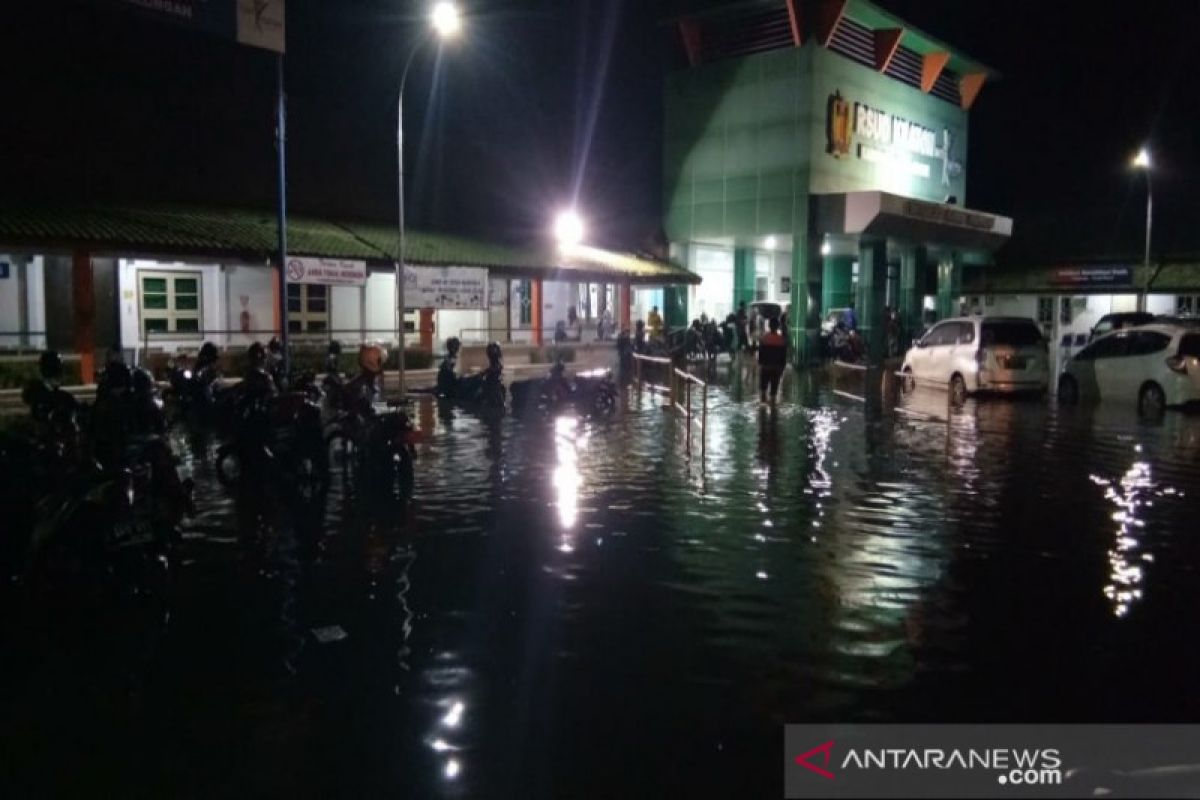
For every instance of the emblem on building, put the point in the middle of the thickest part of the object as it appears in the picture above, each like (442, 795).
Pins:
(837, 126)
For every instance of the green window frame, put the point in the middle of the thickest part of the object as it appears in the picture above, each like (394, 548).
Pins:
(308, 307)
(171, 303)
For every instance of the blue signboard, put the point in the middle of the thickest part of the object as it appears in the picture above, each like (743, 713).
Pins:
(1093, 276)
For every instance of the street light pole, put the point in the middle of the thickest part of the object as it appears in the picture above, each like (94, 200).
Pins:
(446, 24)
(1142, 162)
(1149, 224)
(400, 191)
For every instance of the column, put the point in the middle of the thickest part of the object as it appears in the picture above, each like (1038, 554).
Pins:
(743, 276)
(83, 291)
(872, 294)
(912, 292)
(625, 306)
(804, 316)
(675, 308)
(426, 327)
(535, 310)
(949, 288)
(837, 288)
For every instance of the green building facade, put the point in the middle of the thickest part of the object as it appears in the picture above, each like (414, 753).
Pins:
(827, 166)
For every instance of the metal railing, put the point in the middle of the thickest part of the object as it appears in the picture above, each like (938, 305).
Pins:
(679, 388)
(524, 335)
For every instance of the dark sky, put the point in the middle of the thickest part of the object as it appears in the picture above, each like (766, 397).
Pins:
(543, 99)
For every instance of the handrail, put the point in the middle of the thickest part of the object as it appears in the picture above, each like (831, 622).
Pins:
(679, 388)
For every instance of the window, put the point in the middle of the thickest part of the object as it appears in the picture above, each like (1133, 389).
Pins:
(170, 302)
(1144, 343)
(1012, 334)
(1186, 304)
(1189, 345)
(1064, 313)
(525, 302)
(966, 333)
(308, 307)
(1113, 346)
(946, 333)
(1045, 312)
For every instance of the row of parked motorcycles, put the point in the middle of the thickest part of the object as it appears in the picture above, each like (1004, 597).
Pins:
(92, 490)
(96, 487)
(592, 393)
(295, 436)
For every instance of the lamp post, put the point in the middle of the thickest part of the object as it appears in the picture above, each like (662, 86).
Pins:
(1142, 161)
(446, 23)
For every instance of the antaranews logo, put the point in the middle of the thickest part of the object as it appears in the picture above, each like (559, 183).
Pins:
(914, 761)
(804, 759)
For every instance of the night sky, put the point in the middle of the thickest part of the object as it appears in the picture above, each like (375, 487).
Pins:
(546, 100)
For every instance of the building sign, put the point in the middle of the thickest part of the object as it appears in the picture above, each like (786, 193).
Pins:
(446, 287)
(874, 135)
(258, 23)
(948, 215)
(1085, 277)
(329, 271)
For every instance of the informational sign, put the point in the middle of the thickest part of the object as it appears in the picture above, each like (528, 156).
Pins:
(1085, 277)
(329, 271)
(945, 215)
(446, 287)
(257, 23)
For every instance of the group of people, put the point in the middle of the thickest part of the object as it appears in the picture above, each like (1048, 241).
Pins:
(571, 329)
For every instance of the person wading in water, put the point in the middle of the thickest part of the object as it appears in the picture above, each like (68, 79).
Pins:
(772, 358)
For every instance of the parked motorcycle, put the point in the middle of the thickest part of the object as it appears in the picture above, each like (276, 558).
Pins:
(592, 393)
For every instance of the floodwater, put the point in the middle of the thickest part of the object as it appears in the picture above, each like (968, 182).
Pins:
(582, 609)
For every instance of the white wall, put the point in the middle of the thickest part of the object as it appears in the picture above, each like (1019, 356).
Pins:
(1160, 303)
(255, 284)
(10, 303)
(346, 311)
(381, 304)
(467, 325)
(212, 303)
(35, 292)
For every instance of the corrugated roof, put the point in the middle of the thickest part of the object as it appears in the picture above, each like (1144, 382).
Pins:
(251, 235)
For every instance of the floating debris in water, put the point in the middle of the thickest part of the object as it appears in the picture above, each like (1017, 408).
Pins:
(329, 633)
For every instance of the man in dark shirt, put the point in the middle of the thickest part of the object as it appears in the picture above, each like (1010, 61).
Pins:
(772, 358)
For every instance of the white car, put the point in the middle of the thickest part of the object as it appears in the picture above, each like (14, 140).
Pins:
(1155, 365)
(980, 354)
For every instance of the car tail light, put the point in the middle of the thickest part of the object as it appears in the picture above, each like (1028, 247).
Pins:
(412, 437)
(1178, 364)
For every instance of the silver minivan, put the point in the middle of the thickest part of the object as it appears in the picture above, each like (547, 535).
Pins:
(980, 354)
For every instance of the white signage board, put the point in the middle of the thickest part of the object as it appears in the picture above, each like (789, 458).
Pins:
(260, 23)
(329, 271)
(446, 287)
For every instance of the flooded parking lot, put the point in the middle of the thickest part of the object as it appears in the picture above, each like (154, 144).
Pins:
(575, 608)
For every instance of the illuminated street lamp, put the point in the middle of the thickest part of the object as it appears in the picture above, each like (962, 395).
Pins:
(1142, 161)
(568, 228)
(446, 23)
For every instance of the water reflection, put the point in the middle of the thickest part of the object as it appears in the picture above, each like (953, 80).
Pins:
(567, 478)
(1131, 495)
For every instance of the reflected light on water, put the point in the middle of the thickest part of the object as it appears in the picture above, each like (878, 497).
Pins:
(1124, 586)
(567, 478)
(454, 715)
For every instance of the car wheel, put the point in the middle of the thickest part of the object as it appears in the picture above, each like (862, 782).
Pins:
(958, 390)
(1068, 391)
(1152, 401)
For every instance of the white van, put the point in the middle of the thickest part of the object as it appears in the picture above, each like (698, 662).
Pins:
(980, 354)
